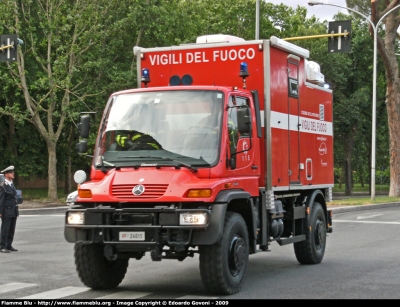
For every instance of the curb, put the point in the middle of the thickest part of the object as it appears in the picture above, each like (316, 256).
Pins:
(363, 207)
(35, 211)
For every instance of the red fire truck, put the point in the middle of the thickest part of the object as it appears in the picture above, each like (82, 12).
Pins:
(223, 151)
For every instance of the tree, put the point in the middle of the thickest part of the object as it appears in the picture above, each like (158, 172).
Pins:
(51, 70)
(387, 48)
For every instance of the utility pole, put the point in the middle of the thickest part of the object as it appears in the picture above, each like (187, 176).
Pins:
(257, 19)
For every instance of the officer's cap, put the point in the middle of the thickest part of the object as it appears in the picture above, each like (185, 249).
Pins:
(9, 169)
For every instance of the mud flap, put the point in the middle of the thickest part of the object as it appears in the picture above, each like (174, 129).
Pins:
(213, 233)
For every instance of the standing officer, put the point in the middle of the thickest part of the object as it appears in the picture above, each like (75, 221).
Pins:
(8, 210)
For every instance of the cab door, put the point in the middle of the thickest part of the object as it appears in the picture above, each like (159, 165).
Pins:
(241, 148)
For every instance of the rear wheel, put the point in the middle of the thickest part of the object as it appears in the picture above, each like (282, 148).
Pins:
(312, 250)
(94, 270)
(223, 265)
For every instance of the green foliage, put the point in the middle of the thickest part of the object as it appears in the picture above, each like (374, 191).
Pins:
(357, 188)
(383, 177)
(41, 194)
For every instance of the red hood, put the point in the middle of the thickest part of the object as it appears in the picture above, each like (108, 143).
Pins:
(164, 184)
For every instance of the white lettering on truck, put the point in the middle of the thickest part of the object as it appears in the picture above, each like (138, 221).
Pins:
(311, 125)
(201, 56)
(197, 57)
(165, 59)
(233, 54)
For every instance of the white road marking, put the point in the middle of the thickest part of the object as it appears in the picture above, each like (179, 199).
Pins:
(14, 286)
(40, 215)
(368, 217)
(365, 222)
(57, 293)
(197, 297)
(124, 295)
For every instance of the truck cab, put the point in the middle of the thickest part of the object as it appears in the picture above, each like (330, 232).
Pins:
(196, 128)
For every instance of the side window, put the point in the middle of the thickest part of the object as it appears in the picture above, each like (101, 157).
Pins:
(234, 103)
(293, 88)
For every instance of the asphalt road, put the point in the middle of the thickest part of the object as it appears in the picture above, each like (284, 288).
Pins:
(359, 263)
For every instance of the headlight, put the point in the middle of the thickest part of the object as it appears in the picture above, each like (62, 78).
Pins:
(76, 218)
(193, 219)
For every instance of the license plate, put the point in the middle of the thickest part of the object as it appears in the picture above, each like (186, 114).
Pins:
(131, 236)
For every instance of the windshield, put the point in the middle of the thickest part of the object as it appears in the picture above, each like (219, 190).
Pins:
(161, 126)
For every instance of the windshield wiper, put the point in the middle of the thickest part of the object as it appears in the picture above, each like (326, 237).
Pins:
(140, 157)
(179, 163)
(191, 167)
(103, 165)
(108, 163)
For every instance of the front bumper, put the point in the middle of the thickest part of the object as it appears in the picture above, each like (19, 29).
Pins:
(148, 227)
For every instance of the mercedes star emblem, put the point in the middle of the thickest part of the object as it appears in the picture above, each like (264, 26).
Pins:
(138, 190)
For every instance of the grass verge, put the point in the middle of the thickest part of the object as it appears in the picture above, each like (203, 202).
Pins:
(358, 201)
(359, 188)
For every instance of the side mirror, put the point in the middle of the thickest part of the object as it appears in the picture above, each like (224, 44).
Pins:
(84, 126)
(82, 146)
(244, 120)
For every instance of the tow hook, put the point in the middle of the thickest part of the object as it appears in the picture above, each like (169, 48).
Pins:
(109, 253)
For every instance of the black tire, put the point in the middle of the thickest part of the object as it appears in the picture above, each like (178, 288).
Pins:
(223, 265)
(94, 270)
(312, 250)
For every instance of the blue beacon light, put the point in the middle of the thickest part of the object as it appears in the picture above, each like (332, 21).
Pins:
(244, 73)
(145, 76)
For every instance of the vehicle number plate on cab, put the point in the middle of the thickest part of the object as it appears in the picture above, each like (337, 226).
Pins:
(131, 236)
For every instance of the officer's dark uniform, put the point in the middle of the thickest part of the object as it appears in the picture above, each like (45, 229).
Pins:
(9, 213)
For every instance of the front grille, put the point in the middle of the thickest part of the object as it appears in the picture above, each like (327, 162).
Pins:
(124, 191)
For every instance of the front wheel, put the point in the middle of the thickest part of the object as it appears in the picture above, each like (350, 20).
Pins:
(223, 265)
(311, 251)
(94, 270)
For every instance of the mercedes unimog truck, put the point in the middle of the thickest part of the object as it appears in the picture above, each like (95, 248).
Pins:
(224, 150)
